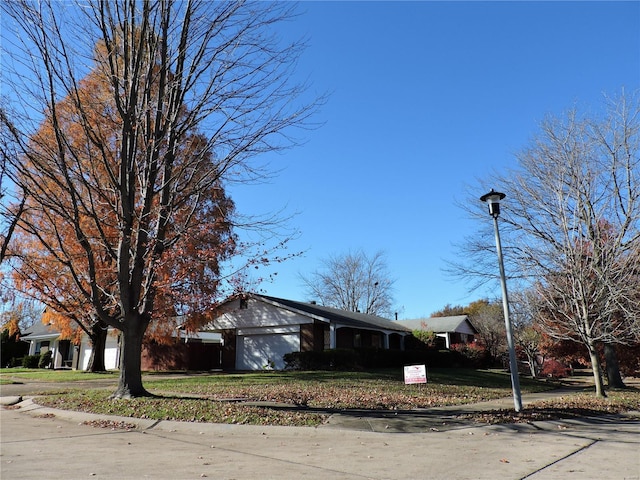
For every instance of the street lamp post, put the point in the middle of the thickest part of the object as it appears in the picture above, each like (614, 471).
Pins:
(493, 201)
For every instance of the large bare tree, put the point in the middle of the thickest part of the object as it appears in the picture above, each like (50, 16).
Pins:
(353, 281)
(571, 225)
(173, 68)
(12, 196)
(488, 318)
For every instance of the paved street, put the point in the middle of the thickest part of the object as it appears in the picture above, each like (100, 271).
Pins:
(38, 442)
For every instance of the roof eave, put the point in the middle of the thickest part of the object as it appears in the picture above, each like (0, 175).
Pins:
(292, 309)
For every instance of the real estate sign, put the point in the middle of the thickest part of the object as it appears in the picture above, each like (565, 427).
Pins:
(415, 374)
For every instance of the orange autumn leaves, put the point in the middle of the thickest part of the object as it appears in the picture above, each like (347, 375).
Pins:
(76, 227)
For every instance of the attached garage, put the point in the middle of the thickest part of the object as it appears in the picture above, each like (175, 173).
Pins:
(264, 348)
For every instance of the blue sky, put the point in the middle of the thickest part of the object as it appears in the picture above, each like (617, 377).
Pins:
(427, 97)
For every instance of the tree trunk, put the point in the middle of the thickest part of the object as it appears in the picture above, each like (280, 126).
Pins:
(614, 379)
(531, 358)
(130, 382)
(98, 339)
(595, 367)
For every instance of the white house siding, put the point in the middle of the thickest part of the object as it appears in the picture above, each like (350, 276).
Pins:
(258, 314)
(111, 353)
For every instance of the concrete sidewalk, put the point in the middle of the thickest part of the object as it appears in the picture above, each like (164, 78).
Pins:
(432, 419)
(43, 442)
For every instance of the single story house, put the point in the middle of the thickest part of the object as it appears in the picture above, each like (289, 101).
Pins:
(198, 351)
(454, 329)
(257, 330)
(64, 354)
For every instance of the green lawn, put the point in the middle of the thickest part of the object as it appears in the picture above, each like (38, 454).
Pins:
(11, 375)
(382, 389)
(310, 396)
(307, 397)
(199, 382)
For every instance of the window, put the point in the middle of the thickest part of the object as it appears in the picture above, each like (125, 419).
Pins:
(42, 347)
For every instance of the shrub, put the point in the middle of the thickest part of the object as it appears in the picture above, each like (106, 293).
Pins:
(367, 358)
(14, 362)
(45, 359)
(472, 354)
(554, 369)
(30, 361)
(426, 337)
(337, 359)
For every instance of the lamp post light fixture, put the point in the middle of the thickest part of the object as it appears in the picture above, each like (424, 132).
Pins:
(493, 199)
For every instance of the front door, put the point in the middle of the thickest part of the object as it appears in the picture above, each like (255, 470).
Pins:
(66, 353)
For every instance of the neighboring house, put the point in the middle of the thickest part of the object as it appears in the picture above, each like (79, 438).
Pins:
(258, 330)
(198, 351)
(453, 330)
(65, 354)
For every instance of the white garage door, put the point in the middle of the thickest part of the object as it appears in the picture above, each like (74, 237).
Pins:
(256, 352)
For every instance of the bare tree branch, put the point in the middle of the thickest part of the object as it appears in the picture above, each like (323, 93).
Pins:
(353, 282)
(571, 225)
(129, 117)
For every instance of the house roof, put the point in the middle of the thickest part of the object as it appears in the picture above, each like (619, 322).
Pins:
(335, 315)
(39, 330)
(456, 323)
